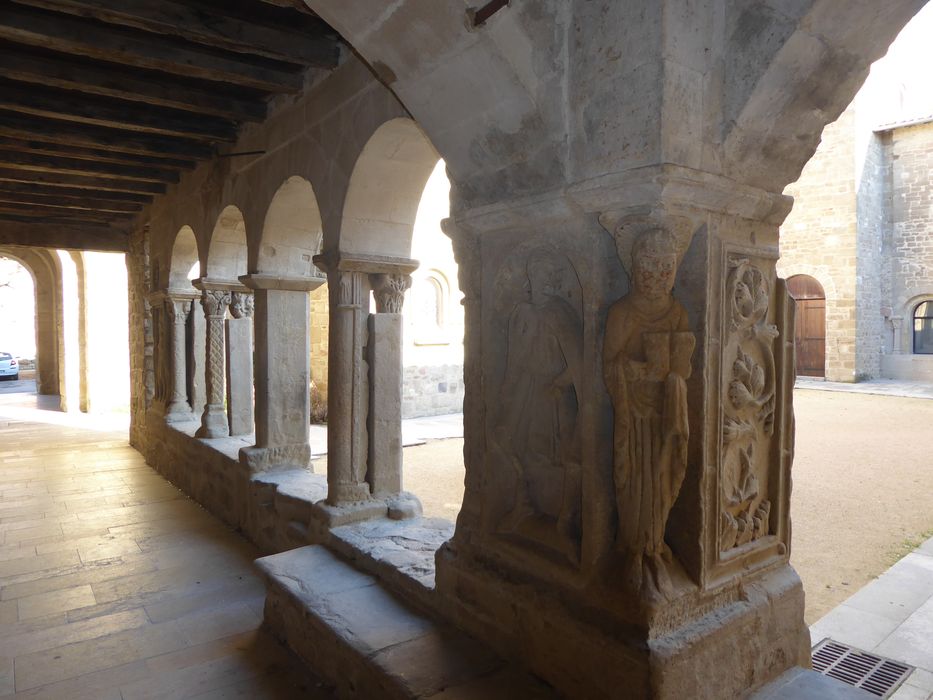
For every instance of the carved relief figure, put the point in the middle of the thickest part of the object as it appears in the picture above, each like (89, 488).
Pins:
(540, 392)
(646, 361)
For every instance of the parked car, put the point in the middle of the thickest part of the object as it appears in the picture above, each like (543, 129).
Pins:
(9, 367)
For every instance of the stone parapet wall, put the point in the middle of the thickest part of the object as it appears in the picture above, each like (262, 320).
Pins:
(432, 390)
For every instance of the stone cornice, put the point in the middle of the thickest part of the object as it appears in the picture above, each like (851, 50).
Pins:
(665, 186)
(369, 264)
(218, 285)
(282, 282)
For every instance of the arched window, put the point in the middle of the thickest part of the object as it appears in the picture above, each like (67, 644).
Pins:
(923, 328)
(429, 301)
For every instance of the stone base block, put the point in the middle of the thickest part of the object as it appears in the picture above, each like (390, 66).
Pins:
(213, 424)
(347, 513)
(278, 458)
(370, 645)
(735, 642)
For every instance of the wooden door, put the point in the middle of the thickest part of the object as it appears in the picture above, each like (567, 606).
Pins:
(810, 330)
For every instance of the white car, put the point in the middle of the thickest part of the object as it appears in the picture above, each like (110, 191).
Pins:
(9, 367)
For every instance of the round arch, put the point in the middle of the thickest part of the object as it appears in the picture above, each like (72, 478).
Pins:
(45, 274)
(385, 190)
(291, 232)
(227, 248)
(184, 258)
(809, 325)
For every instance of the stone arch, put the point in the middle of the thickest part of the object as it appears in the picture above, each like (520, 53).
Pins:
(184, 256)
(385, 190)
(42, 267)
(291, 233)
(227, 248)
(904, 318)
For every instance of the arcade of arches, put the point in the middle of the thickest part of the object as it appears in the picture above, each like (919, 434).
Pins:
(625, 529)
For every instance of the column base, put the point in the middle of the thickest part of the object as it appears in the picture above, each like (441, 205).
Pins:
(179, 412)
(213, 423)
(347, 513)
(727, 642)
(276, 458)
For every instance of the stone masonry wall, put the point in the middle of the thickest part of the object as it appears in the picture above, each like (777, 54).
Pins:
(319, 329)
(140, 337)
(872, 219)
(911, 248)
(819, 239)
(432, 390)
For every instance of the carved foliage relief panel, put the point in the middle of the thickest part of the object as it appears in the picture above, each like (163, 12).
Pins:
(750, 502)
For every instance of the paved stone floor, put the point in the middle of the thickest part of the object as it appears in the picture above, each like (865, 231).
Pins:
(893, 617)
(114, 585)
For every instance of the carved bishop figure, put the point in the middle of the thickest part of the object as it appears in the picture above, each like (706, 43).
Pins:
(646, 361)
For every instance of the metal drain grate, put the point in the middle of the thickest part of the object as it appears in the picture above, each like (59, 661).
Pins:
(873, 674)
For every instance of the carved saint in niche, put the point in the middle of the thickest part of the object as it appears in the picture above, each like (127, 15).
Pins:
(646, 361)
(538, 419)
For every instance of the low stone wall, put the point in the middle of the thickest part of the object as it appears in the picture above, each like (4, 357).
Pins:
(272, 510)
(432, 390)
(907, 367)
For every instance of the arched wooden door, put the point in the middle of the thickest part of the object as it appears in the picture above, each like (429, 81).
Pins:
(810, 328)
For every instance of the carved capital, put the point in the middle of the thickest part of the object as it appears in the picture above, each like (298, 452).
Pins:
(178, 309)
(389, 290)
(215, 302)
(349, 286)
(242, 305)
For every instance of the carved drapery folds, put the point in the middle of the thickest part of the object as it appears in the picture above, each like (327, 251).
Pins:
(647, 356)
(749, 382)
(537, 431)
(389, 290)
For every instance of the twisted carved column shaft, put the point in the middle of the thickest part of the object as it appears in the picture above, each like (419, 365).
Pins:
(214, 420)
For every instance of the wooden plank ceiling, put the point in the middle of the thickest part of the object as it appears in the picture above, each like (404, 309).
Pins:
(105, 102)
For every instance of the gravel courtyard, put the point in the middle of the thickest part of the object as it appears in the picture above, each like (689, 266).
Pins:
(862, 498)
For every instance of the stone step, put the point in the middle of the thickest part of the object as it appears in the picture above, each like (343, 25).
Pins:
(369, 644)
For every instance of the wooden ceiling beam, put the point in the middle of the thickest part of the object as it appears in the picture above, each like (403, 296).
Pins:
(60, 202)
(66, 236)
(33, 211)
(107, 80)
(57, 164)
(33, 27)
(8, 143)
(214, 29)
(88, 136)
(81, 181)
(19, 189)
(110, 113)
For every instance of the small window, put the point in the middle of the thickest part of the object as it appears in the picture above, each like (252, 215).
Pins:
(923, 328)
(428, 304)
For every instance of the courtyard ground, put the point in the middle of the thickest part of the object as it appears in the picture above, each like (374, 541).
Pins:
(862, 494)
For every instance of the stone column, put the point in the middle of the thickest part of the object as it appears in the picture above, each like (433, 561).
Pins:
(214, 418)
(161, 350)
(385, 394)
(240, 364)
(282, 363)
(197, 352)
(178, 307)
(629, 378)
(352, 474)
